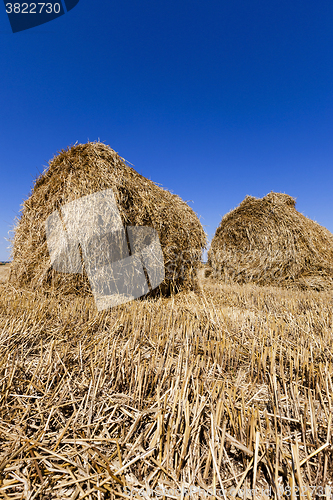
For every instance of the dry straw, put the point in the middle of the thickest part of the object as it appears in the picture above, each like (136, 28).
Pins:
(268, 242)
(86, 169)
(203, 395)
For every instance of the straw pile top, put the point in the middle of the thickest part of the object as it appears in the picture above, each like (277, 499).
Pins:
(85, 169)
(268, 242)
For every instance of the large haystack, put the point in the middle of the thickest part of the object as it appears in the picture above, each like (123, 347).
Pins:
(86, 169)
(266, 241)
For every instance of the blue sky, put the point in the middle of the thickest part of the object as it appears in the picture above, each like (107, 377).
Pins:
(213, 100)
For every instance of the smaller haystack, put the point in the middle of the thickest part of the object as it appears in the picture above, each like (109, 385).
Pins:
(267, 242)
(89, 169)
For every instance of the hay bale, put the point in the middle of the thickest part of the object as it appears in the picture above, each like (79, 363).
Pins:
(86, 169)
(267, 242)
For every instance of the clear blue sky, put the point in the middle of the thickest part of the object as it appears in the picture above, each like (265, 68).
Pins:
(214, 100)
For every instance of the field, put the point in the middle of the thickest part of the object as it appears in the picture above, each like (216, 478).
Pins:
(206, 394)
(4, 272)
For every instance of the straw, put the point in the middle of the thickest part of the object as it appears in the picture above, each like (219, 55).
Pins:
(267, 242)
(91, 169)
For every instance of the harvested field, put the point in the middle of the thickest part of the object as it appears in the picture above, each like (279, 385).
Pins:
(4, 273)
(228, 387)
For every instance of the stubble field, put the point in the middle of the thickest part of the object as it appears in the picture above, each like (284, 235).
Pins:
(207, 394)
(4, 272)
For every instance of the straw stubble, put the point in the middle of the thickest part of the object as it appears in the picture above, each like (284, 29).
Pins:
(193, 392)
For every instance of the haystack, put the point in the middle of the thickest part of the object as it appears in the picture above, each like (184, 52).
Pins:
(268, 242)
(83, 170)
